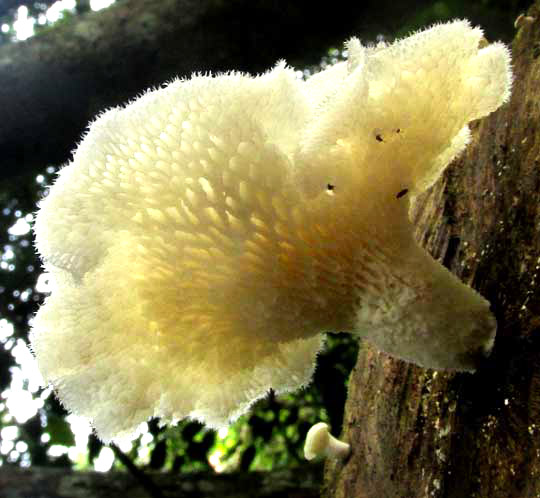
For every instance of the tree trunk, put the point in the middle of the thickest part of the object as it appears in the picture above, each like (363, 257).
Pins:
(422, 433)
(41, 482)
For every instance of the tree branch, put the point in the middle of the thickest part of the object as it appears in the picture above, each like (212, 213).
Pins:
(53, 84)
(143, 479)
(303, 482)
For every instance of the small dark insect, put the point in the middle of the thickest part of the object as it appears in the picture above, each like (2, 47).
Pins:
(330, 187)
(379, 138)
(401, 193)
(398, 130)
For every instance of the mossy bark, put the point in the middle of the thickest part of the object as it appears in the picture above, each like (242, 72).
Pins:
(422, 433)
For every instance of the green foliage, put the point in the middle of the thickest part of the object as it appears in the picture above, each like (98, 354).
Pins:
(60, 431)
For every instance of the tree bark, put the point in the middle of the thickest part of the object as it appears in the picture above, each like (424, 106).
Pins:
(422, 433)
(42, 482)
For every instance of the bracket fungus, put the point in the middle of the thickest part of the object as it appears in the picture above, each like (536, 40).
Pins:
(206, 235)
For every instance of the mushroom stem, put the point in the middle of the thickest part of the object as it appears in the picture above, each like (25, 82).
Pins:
(319, 442)
(337, 449)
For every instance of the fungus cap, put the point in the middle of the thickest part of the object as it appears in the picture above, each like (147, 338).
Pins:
(316, 441)
(205, 236)
(319, 442)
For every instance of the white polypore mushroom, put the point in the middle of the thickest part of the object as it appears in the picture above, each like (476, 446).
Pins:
(196, 258)
(320, 443)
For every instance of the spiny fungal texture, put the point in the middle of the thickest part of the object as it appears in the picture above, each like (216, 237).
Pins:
(205, 236)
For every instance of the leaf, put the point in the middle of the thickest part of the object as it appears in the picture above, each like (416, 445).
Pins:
(60, 431)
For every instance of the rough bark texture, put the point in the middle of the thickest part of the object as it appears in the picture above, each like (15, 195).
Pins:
(421, 433)
(40, 482)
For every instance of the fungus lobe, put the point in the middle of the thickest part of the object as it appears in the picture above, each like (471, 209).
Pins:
(196, 256)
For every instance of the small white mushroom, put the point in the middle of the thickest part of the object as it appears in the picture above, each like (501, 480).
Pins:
(319, 442)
